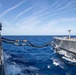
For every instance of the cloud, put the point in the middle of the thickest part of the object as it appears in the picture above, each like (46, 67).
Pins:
(17, 5)
(50, 11)
(60, 9)
(40, 22)
(34, 26)
(23, 12)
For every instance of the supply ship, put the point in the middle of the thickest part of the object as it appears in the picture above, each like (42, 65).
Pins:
(66, 43)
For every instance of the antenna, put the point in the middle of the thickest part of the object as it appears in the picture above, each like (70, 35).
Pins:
(69, 33)
(0, 26)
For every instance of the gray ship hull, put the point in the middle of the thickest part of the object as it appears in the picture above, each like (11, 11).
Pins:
(66, 44)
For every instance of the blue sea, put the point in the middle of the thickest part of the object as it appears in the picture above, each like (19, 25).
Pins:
(28, 60)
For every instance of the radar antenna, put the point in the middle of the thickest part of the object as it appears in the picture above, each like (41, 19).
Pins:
(69, 33)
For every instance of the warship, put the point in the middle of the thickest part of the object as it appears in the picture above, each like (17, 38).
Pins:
(66, 43)
(2, 63)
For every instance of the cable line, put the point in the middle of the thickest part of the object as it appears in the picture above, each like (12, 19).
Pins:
(15, 42)
(38, 46)
(28, 43)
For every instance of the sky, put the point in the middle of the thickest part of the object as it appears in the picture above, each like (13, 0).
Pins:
(38, 17)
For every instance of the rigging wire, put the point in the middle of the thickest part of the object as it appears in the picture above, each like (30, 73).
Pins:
(16, 42)
(31, 44)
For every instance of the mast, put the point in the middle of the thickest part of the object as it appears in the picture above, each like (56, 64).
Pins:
(0, 50)
(69, 33)
(0, 45)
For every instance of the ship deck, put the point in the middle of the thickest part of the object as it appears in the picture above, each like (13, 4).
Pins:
(65, 38)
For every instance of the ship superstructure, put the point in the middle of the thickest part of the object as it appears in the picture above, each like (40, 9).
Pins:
(66, 43)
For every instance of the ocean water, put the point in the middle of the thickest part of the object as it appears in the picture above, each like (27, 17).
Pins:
(28, 60)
